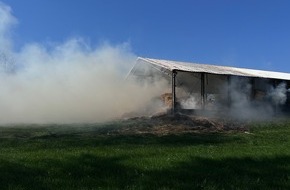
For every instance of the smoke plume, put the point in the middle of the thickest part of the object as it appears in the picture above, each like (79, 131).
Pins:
(243, 106)
(278, 95)
(66, 83)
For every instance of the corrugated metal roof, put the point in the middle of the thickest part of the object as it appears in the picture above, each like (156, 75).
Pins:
(214, 69)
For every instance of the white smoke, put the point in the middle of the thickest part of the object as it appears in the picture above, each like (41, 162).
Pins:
(7, 21)
(243, 106)
(278, 95)
(189, 103)
(66, 83)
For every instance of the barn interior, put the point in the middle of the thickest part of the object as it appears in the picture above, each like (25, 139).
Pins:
(212, 89)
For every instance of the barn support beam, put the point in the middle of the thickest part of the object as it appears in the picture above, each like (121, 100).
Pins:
(252, 81)
(229, 91)
(202, 90)
(275, 84)
(174, 73)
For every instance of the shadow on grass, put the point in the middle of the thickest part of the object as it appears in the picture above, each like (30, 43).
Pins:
(88, 171)
(17, 176)
(229, 173)
(83, 172)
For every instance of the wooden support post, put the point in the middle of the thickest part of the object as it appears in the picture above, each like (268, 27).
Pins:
(202, 90)
(252, 80)
(229, 91)
(276, 106)
(174, 73)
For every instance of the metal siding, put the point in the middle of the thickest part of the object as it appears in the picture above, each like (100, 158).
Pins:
(214, 69)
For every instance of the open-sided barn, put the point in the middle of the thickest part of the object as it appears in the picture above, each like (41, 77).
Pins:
(211, 87)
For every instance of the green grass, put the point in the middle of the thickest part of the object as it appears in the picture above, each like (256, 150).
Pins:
(84, 157)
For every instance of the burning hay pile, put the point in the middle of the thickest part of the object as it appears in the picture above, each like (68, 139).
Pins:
(162, 122)
(167, 124)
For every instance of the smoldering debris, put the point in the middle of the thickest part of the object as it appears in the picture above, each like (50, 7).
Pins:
(167, 124)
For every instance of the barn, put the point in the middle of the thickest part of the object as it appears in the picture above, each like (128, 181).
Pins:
(202, 87)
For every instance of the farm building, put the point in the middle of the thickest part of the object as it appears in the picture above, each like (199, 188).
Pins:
(210, 87)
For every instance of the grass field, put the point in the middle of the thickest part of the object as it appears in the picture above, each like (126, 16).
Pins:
(85, 157)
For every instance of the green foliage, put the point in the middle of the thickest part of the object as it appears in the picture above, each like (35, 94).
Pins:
(85, 157)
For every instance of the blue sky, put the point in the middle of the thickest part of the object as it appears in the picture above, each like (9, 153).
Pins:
(242, 33)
